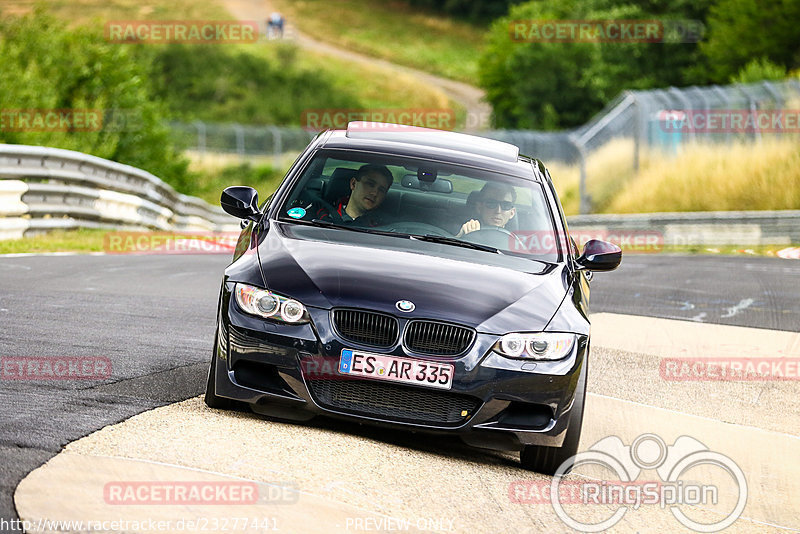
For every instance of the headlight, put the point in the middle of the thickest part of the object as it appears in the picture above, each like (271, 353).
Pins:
(265, 303)
(543, 346)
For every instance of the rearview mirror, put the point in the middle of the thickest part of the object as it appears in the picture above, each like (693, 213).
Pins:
(241, 202)
(439, 186)
(600, 256)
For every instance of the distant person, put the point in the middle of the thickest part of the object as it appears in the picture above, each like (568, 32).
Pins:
(495, 207)
(368, 190)
(275, 26)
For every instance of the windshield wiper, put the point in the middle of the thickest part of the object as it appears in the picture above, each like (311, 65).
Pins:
(330, 224)
(457, 242)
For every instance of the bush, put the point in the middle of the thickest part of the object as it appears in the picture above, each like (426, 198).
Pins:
(758, 70)
(46, 66)
(478, 11)
(227, 84)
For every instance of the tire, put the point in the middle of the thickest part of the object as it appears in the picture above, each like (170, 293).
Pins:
(211, 399)
(546, 460)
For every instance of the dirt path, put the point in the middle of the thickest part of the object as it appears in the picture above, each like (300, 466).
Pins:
(470, 97)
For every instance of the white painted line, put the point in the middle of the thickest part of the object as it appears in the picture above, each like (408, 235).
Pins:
(54, 254)
(733, 310)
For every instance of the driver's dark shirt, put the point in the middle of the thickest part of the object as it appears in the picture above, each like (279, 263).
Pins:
(368, 219)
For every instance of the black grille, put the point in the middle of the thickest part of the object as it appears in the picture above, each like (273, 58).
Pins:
(366, 327)
(399, 403)
(429, 337)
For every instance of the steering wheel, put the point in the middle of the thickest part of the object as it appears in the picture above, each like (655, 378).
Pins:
(418, 228)
(332, 212)
(491, 237)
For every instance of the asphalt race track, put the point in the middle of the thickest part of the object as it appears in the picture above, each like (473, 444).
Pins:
(153, 318)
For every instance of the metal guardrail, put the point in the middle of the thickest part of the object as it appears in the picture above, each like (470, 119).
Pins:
(50, 188)
(712, 228)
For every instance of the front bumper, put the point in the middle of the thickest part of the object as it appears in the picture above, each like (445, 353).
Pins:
(290, 371)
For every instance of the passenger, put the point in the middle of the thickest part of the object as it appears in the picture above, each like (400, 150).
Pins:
(368, 190)
(495, 207)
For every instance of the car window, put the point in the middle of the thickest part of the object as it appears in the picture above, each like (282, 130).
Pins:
(415, 197)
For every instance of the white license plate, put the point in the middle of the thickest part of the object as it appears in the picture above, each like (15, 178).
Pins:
(392, 368)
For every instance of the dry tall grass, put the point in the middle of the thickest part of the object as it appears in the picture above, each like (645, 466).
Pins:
(608, 169)
(763, 175)
(741, 176)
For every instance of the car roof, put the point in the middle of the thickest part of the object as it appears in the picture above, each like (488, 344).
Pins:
(427, 143)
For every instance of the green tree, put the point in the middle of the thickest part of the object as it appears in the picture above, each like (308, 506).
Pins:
(49, 67)
(562, 84)
(740, 30)
(478, 11)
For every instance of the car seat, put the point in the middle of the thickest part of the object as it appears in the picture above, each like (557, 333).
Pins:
(339, 185)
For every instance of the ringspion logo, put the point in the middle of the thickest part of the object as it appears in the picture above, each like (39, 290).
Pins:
(689, 474)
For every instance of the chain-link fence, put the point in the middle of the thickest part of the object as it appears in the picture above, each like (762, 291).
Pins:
(274, 141)
(636, 121)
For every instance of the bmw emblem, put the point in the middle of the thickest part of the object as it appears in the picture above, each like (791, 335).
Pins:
(405, 305)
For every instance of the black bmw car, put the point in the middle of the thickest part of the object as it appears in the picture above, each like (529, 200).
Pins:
(416, 279)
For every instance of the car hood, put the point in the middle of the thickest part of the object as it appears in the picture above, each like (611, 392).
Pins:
(328, 268)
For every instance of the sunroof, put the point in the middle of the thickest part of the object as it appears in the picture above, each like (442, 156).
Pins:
(413, 135)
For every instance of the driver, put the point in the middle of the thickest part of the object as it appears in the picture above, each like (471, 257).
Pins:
(495, 208)
(368, 190)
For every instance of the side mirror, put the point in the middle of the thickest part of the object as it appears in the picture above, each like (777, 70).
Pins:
(600, 256)
(241, 202)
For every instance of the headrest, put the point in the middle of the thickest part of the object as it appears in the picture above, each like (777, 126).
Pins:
(339, 185)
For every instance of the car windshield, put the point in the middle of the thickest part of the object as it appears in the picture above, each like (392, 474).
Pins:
(425, 200)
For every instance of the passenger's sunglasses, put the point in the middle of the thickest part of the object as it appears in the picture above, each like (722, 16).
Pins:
(492, 205)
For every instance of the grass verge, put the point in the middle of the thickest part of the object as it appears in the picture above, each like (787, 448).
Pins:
(79, 12)
(394, 31)
(93, 240)
(212, 175)
(81, 240)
